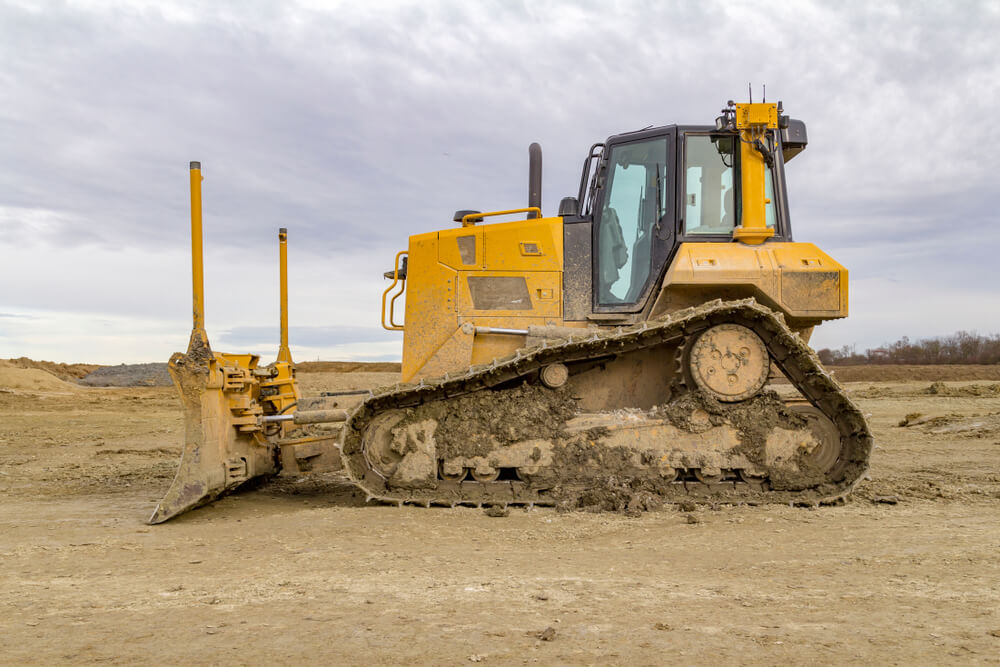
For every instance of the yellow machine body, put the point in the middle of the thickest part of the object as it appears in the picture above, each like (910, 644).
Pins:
(460, 283)
(500, 275)
(510, 276)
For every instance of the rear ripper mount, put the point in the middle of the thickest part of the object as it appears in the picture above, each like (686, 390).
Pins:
(235, 412)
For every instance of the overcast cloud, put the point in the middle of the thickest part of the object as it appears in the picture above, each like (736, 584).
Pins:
(358, 124)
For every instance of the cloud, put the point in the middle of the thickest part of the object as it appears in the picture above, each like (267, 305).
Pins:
(359, 124)
(308, 336)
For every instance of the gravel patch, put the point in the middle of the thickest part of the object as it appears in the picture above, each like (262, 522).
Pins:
(129, 375)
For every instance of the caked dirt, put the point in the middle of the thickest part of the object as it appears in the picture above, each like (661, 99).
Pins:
(300, 570)
(475, 424)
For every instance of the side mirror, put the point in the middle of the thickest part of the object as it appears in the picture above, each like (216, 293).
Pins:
(569, 206)
(461, 214)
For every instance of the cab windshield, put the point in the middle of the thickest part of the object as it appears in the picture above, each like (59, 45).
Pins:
(634, 202)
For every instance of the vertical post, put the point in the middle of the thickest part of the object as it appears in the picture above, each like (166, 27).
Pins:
(197, 263)
(534, 178)
(284, 354)
(754, 121)
(752, 171)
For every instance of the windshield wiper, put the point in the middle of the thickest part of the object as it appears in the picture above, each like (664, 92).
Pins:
(659, 196)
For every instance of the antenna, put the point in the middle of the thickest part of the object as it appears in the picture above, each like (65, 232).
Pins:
(750, 91)
(764, 86)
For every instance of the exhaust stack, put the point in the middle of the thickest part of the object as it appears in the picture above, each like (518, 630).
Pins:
(534, 178)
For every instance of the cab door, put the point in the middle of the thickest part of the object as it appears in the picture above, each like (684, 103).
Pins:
(633, 229)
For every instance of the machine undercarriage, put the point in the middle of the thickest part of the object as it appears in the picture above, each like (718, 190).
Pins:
(498, 434)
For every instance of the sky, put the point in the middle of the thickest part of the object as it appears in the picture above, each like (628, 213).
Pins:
(356, 125)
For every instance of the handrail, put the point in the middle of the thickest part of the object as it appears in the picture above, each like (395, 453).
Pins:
(392, 326)
(472, 218)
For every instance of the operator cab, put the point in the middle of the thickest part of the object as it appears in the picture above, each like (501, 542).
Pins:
(644, 193)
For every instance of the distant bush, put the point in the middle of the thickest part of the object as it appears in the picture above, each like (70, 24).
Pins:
(960, 348)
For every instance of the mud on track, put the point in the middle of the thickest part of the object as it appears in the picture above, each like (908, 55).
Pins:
(299, 571)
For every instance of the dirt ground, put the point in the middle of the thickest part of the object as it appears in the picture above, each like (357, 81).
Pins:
(304, 570)
(901, 373)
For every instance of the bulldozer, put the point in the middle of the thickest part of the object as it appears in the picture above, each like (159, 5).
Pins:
(633, 341)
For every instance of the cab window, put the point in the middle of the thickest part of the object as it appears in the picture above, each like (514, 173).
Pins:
(710, 194)
(710, 190)
(769, 215)
(634, 202)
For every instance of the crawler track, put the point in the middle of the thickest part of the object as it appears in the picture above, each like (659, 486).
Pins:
(794, 358)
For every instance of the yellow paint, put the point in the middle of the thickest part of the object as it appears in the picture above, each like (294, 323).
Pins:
(284, 354)
(197, 262)
(430, 304)
(753, 122)
(449, 252)
(504, 242)
(538, 284)
(488, 347)
(453, 355)
(761, 114)
(282, 389)
(438, 300)
(796, 278)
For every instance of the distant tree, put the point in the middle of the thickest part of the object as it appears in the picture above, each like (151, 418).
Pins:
(962, 347)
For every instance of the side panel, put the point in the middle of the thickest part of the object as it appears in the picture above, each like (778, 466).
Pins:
(578, 272)
(798, 279)
(509, 295)
(523, 259)
(527, 245)
(812, 283)
(487, 347)
(506, 275)
(431, 316)
(462, 248)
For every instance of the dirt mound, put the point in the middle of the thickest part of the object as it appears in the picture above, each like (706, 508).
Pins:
(129, 375)
(968, 426)
(14, 377)
(348, 367)
(68, 372)
(872, 391)
(941, 389)
(613, 494)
